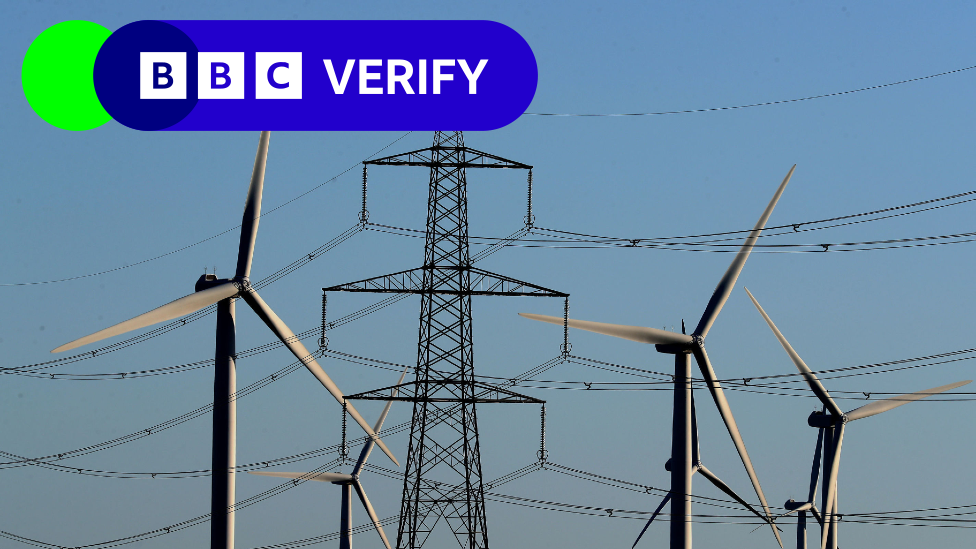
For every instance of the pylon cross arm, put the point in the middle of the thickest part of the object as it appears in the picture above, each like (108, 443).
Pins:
(412, 282)
(458, 157)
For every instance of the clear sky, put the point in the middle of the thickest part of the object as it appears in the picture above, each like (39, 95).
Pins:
(80, 203)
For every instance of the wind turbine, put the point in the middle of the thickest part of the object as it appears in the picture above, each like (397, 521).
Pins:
(682, 346)
(832, 425)
(801, 508)
(210, 290)
(348, 483)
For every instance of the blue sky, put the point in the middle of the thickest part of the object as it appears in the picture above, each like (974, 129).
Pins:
(78, 203)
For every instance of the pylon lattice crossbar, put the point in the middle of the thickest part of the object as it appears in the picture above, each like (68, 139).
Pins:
(412, 282)
(456, 157)
(413, 392)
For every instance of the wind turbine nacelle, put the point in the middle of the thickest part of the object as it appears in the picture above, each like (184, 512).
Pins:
(673, 348)
(792, 505)
(821, 420)
(208, 281)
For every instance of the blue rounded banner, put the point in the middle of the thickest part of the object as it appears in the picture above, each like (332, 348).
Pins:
(315, 75)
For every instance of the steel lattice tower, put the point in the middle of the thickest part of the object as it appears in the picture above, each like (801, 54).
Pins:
(440, 440)
(443, 477)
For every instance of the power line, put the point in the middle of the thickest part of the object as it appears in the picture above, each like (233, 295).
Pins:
(750, 105)
(20, 461)
(267, 494)
(264, 382)
(192, 317)
(274, 277)
(234, 228)
(709, 247)
(576, 240)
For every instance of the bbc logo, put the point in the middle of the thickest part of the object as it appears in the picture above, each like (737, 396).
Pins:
(220, 75)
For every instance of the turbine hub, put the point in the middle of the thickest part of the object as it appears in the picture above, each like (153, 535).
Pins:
(243, 283)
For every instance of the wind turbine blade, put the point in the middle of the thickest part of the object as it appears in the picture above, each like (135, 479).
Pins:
(664, 502)
(321, 477)
(252, 209)
(725, 285)
(879, 406)
(725, 488)
(386, 409)
(807, 373)
(181, 307)
(718, 395)
(294, 344)
(639, 334)
(817, 515)
(828, 516)
(815, 472)
(368, 447)
(372, 513)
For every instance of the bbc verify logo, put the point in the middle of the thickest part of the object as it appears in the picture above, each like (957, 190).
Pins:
(278, 75)
(305, 75)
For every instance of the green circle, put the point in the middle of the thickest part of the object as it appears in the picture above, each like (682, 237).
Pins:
(58, 75)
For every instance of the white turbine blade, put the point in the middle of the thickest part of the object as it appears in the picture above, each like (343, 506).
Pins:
(725, 488)
(879, 406)
(815, 472)
(832, 487)
(664, 502)
(817, 515)
(386, 409)
(181, 307)
(320, 477)
(252, 208)
(368, 447)
(725, 285)
(372, 513)
(786, 514)
(808, 374)
(718, 395)
(294, 344)
(639, 334)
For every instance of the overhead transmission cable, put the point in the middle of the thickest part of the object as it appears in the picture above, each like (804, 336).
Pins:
(267, 494)
(751, 105)
(518, 235)
(263, 383)
(19, 461)
(709, 242)
(192, 317)
(234, 228)
(272, 278)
